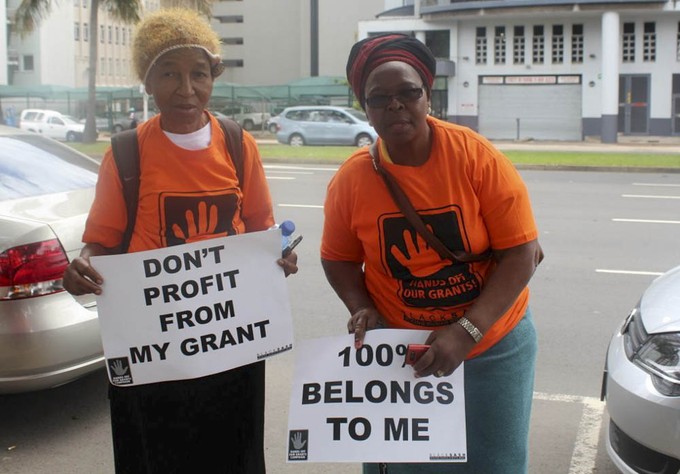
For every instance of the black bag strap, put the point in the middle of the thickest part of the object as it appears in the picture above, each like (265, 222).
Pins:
(406, 207)
(125, 148)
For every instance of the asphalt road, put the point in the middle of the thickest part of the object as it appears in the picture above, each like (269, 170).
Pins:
(604, 237)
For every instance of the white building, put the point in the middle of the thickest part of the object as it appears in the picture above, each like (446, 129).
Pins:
(57, 51)
(550, 69)
(266, 42)
(271, 42)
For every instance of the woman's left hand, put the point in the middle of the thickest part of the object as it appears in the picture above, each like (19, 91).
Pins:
(288, 263)
(448, 348)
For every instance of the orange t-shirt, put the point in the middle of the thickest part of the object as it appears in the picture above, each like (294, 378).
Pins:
(471, 197)
(184, 195)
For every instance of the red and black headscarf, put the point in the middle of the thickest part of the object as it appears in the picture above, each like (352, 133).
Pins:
(371, 52)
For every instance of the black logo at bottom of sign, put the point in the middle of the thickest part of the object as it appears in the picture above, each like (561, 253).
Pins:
(119, 371)
(298, 445)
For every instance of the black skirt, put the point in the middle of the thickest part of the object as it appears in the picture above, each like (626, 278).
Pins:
(212, 424)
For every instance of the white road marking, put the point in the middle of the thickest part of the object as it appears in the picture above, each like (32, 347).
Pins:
(280, 171)
(311, 206)
(670, 185)
(627, 272)
(587, 438)
(281, 177)
(306, 168)
(649, 196)
(645, 221)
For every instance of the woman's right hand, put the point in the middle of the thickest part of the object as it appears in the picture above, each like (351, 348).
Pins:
(361, 321)
(81, 278)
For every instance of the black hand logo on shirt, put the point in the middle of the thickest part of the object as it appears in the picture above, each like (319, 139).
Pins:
(417, 250)
(203, 229)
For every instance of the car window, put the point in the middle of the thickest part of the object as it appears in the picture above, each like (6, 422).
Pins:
(357, 114)
(34, 165)
(338, 117)
(299, 115)
(55, 120)
(29, 116)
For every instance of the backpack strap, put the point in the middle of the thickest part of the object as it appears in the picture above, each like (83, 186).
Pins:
(234, 138)
(125, 148)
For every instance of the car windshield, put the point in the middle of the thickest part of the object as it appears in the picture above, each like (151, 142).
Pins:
(358, 114)
(33, 165)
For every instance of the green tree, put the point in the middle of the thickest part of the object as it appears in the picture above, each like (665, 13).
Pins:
(30, 12)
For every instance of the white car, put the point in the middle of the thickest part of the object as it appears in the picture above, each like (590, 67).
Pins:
(47, 337)
(642, 383)
(52, 124)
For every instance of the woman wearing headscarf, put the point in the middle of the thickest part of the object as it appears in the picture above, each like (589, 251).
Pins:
(189, 191)
(473, 293)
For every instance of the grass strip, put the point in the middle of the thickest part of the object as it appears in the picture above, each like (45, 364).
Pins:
(338, 154)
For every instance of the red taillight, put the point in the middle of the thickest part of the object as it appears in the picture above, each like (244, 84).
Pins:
(32, 270)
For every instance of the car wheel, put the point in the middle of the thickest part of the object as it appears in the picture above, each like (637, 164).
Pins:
(248, 125)
(364, 140)
(296, 140)
(71, 137)
(273, 128)
(117, 128)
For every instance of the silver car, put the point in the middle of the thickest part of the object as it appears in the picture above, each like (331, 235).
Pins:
(47, 338)
(324, 125)
(642, 383)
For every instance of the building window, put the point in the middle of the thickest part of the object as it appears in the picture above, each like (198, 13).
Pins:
(229, 18)
(439, 43)
(111, 67)
(233, 62)
(102, 31)
(577, 44)
(76, 31)
(628, 53)
(499, 45)
(518, 45)
(649, 42)
(28, 62)
(538, 43)
(117, 35)
(110, 34)
(677, 44)
(480, 45)
(102, 66)
(123, 36)
(557, 44)
(232, 40)
(86, 32)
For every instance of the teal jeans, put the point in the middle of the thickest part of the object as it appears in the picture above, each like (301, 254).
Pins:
(499, 387)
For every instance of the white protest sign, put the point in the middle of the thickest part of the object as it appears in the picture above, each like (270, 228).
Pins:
(367, 406)
(193, 310)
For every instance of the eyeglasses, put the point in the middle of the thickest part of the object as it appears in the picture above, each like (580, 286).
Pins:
(379, 101)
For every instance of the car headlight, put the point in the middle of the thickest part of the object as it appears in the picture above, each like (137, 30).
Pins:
(656, 354)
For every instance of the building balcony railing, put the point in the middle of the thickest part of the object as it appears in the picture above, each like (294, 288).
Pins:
(434, 6)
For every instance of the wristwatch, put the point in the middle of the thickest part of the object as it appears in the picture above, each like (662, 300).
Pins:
(472, 330)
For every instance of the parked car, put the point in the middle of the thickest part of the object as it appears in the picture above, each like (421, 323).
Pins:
(246, 116)
(324, 125)
(124, 121)
(47, 337)
(272, 124)
(642, 383)
(52, 124)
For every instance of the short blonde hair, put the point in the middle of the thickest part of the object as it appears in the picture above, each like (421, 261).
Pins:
(173, 28)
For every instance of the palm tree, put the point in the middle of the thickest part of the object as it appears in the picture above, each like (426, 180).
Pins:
(29, 14)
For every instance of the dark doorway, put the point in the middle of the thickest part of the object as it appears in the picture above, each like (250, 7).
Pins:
(634, 104)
